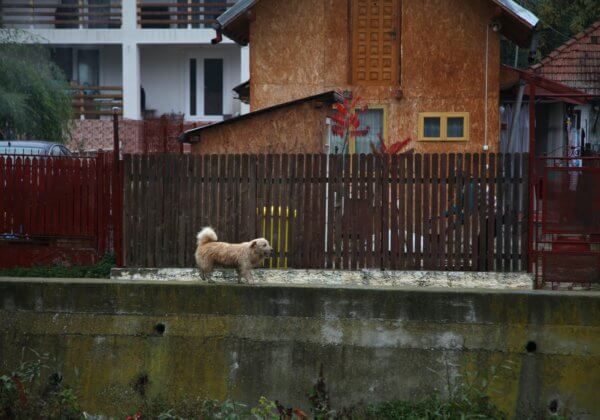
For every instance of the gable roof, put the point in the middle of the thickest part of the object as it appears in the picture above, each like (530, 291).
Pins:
(517, 22)
(576, 63)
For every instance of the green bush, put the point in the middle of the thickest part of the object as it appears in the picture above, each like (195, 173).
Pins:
(99, 270)
(24, 394)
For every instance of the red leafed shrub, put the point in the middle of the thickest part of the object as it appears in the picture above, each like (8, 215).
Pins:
(346, 120)
(393, 149)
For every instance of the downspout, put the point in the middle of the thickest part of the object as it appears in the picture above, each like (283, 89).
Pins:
(219, 34)
(517, 111)
(532, 179)
(532, 172)
(485, 104)
(516, 114)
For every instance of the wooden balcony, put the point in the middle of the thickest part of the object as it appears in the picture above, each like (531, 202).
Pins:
(179, 14)
(56, 15)
(95, 101)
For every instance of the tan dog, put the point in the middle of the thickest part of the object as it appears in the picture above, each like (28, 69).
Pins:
(243, 257)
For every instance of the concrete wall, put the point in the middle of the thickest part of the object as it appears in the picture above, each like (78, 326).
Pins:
(242, 342)
(301, 48)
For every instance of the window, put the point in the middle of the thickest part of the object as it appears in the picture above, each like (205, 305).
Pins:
(213, 86)
(374, 118)
(63, 57)
(88, 67)
(193, 76)
(443, 126)
(99, 13)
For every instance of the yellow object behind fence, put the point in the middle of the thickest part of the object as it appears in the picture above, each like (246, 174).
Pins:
(276, 230)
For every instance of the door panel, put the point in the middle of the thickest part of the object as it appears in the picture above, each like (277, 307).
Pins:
(213, 86)
(375, 41)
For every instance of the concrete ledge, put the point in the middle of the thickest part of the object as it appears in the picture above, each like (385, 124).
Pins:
(372, 278)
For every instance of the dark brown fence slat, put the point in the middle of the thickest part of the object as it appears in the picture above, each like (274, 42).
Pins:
(331, 168)
(500, 210)
(275, 209)
(525, 225)
(253, 227)
(468, 212)
(385, 210)
(213, 192)
(418, 211)
(475, 219)
(490, 212)
(450, 211)
(515, 212)
(393, 186)
(297, 257)
(402, 191)
(410, 213)
(317, 225)
(285, 219)
(482, 232)
(459, 214)
(427, 222)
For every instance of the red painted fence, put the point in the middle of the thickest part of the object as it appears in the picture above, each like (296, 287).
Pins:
(56, 209)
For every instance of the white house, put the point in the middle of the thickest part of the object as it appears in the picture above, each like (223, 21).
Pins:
(148, 57)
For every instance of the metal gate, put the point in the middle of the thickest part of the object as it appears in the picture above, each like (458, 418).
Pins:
(566, 222)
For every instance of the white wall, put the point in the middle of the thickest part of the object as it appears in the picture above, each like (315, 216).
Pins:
(165, 77)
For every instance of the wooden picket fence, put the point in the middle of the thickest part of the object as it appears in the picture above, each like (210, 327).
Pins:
(412, 212)
(55, 209)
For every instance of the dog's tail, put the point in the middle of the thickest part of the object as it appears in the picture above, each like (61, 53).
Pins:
(206, 235)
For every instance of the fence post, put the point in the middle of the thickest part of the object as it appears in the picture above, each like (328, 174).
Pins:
(532, 175)
(117, 192)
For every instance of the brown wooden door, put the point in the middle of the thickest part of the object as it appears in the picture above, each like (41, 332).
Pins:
(375, 41)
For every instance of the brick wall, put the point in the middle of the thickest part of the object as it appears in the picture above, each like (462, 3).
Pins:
(147, 136)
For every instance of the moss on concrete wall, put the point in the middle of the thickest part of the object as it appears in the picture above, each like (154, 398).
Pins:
(241, 342)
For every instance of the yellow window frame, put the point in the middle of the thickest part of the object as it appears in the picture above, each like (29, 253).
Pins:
(443, 116)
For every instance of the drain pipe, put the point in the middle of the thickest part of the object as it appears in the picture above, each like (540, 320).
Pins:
(218, 34)
(517, 111)
(516, 114)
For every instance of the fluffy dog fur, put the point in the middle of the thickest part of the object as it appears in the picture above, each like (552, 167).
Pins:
(243, 257)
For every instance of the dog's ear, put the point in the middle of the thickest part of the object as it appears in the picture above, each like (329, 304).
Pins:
(253, 244)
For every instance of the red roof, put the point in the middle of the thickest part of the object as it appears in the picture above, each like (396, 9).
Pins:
(576, 63)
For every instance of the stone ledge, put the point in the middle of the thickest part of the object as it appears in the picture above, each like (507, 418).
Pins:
(372, 278)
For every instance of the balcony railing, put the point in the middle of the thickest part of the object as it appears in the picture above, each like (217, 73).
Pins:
(94, 101)
(181, 14)
(60, 15)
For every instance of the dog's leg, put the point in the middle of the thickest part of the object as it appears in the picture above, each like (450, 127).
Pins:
(206, 274)
(239, 275)
(246, 274)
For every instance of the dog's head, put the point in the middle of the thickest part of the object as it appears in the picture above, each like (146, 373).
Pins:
(262, 247)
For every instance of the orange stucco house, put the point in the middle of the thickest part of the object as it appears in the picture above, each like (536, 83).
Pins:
(426, 69)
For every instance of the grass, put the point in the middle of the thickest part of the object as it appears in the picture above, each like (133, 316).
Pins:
(99, 270)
